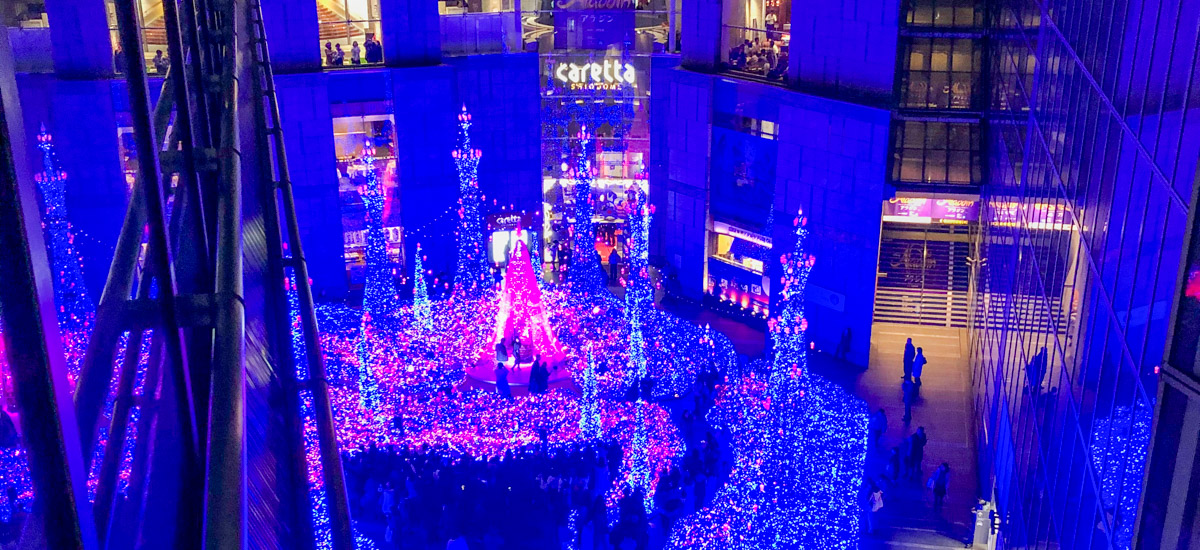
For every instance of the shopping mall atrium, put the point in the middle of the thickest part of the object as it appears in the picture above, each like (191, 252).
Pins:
(599, 274)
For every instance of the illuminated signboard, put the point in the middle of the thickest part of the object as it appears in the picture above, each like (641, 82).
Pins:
(604, 75)
(908, 209)
(954, 211)
(959, 212)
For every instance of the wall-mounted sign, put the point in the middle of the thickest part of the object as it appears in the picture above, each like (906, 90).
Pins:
(595, 4)
(509, 221)
(603, 75)
(908, 209)
(955, 210)
(926, 210)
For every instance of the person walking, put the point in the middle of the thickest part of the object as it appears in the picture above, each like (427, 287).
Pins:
(874, 504)
(843, 347)
(877, 426)
(893, 465)
(614, 266)
(939, 482)
(910, 353)
(910, 398)
(906, 447)
(917, 367)
(919, 439)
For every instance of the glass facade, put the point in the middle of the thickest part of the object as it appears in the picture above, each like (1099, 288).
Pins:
(1083, 223)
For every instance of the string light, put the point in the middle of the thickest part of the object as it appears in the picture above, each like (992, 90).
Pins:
(76, 312)
(799, 444)
(379, 292)
(472, 273)
(589, 408)
(585, 276)
(421, 308)
(1119, 447)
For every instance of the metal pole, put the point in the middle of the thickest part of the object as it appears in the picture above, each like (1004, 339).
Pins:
(224, 492)
(147, 149)
(95, 374)
(34, 349)
(331, 459)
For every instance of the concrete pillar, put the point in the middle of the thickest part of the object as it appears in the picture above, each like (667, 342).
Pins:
(83, 48)
(832, 164)
(83, 120)
(681, 208)
(308, 134)
(701, 35)
(293, 35)
(426, 133)
(411, 33)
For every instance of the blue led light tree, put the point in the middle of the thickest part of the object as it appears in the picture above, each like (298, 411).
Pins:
(472, 273)
(422, 309)
(800, 445)
(639, 294)
(585, 275)
(76, 312)
(589, 404)
(535, 256)
(379, 292)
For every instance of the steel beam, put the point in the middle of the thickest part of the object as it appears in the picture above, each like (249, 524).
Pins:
(191, 474)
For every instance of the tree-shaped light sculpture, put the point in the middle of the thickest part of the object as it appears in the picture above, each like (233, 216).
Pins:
(379, 292)
(76, 312)
(472, 273)
(589, 404)
(585, 275)
(422, 309)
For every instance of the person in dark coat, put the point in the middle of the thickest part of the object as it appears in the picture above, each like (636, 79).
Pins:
(910, 353)
(919, 439)
(910, 398)
(502, 381)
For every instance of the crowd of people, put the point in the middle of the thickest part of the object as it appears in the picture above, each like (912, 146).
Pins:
(538, 497)
(762, 56)
(371, 52)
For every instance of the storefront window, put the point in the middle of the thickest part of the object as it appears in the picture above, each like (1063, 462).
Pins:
(353, 137)
(154, 36)
(737, 274)
(942, 73)
(350, 32)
